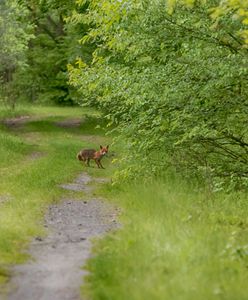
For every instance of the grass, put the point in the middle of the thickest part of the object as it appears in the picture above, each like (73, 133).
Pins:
(45, 111)
(35, 158)
(175, 244)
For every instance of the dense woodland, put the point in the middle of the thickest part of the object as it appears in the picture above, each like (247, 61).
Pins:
(170, 76)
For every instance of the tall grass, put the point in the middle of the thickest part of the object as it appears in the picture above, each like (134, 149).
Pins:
(175, 243)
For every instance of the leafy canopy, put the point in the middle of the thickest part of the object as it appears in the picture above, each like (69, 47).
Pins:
(173, 76)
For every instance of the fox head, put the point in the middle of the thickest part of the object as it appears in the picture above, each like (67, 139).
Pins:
(104, 150)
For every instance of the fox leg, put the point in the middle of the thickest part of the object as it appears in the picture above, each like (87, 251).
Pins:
(101, 164)
(84, 160)
(88, 162)
(98, 163)
(81, 158)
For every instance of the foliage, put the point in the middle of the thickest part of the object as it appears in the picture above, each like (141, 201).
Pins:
(15, 36)
(237, 9)
(37, 68)
(46, 79)
(173, 76)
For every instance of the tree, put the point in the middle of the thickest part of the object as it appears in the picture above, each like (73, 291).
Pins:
(54, 46)
(15, 36)
(172, 75)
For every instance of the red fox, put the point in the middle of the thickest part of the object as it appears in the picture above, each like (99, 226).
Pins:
(87, 154)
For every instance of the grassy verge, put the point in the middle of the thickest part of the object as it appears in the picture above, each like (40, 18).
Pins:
(35, 158)
(174, 244)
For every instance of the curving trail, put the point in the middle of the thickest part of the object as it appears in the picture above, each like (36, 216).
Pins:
(56, 270)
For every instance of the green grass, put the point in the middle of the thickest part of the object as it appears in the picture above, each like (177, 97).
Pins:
(45, 111)
(28, 183)
(174, 244)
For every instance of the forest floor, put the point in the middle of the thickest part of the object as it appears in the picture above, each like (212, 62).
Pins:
(56, 251)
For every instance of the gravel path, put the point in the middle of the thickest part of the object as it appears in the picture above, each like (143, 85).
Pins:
(56, 272)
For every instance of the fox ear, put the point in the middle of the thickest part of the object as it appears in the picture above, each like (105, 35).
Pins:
(107, 147)
(100, 146)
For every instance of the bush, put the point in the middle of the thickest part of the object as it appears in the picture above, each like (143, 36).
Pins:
(173, 79)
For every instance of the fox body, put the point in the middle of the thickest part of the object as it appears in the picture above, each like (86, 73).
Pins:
(86, 155)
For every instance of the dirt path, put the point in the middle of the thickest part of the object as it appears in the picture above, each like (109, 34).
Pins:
(56, 272)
